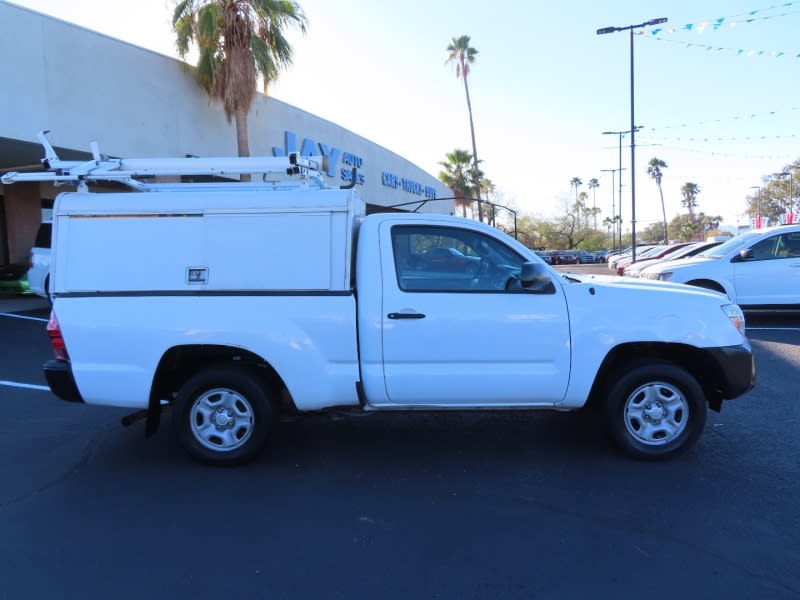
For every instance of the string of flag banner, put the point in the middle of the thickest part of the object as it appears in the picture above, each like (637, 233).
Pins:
(681, 132)
(656, 33)
(745, 155)
(710, 138)
(737, 51)
(746, 117)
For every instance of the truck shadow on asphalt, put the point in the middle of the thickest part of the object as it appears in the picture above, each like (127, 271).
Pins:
(382, 439)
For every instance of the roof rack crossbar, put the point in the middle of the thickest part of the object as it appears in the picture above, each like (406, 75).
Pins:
(129, 170)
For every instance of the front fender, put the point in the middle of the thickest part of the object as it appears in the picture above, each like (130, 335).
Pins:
(607, 315)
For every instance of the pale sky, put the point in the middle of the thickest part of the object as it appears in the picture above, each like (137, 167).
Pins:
(715, 89)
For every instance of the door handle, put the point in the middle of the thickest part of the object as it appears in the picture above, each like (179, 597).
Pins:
(406, 315)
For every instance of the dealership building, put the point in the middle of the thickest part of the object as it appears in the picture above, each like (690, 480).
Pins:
(64, 78)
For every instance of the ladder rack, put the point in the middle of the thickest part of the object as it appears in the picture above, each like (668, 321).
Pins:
(293, 171)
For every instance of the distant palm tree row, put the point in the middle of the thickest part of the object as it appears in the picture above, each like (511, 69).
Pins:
(655, 168)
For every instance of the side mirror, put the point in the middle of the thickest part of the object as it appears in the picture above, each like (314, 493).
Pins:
(536, 278)
(746, 254)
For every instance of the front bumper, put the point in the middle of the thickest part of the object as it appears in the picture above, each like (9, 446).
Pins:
(59, 377)
(737, 369)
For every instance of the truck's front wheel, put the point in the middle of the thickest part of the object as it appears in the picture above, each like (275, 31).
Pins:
(656, 410)
(223, 415)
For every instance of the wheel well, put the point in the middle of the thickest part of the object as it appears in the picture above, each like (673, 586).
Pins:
(708, 284)
(181, 362)
(694, 360)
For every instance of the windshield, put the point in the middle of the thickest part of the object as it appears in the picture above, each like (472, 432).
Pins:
(732, 244)
(650, 252)
(678, 252)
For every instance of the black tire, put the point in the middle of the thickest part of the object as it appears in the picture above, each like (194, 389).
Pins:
(655, 410)
(223, 415)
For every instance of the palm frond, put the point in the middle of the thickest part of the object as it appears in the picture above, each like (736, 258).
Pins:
(237, 41)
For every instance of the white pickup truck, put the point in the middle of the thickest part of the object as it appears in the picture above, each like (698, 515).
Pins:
(235, 303)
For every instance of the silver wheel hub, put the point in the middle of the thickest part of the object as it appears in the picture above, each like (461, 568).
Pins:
(656, 413)
(221, 419)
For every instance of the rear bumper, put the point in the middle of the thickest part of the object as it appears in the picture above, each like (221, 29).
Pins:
(59, 377)
(737, 368)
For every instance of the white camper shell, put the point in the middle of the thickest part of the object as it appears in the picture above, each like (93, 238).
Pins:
(215, 241)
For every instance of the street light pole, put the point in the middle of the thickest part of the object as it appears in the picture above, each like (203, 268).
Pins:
(621, 135)
(630, 29)
(613, 206)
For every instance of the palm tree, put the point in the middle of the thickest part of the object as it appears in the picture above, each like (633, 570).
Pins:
(576, 183)
(583, 208)
(237, 41)
(654, 168)
(462, 55)
(689, 191)
(593, 185)
(488, 189)
(458, 176)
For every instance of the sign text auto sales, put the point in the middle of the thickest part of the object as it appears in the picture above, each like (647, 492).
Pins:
(350, 163)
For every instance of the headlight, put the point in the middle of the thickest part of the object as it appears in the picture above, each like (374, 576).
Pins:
(735, 314)
(665, 276)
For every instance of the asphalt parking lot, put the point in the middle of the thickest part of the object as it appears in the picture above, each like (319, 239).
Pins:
(504, 505)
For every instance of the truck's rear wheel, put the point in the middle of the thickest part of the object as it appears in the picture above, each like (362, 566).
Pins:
(223, 415)
(656, 410)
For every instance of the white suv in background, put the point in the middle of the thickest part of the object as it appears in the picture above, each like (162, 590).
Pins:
(757, 270)
(39, 270)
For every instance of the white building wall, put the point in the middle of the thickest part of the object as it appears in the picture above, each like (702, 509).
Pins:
(85, 86)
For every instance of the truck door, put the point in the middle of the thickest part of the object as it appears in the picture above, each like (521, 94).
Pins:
(454, 335)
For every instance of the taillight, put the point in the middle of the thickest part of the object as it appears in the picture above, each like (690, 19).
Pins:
(56, 340)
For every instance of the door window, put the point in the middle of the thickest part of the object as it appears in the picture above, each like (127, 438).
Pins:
(444, 259)
(784, 245)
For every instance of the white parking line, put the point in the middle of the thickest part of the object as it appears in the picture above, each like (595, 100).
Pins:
(28, 386)
(15, 316)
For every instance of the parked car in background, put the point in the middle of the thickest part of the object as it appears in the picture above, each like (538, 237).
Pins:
(564, 257)
(758, 269)
(39, 267)
(445, 259)
(585, 257)
(612, 256)
(651, 252)
(545, 256)
(635, 269)
(627, 253)
(600, 256)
